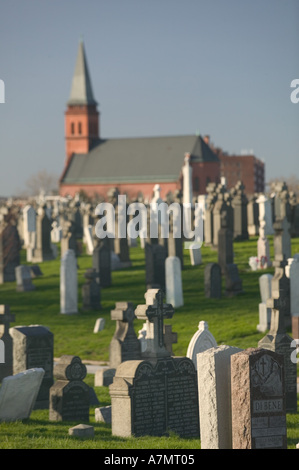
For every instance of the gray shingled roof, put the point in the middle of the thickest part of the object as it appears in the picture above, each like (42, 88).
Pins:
(153, 159)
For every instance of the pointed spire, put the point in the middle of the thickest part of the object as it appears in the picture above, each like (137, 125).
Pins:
(81, 91)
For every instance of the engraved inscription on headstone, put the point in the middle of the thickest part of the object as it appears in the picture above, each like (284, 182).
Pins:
(155, 398)
(258, 400)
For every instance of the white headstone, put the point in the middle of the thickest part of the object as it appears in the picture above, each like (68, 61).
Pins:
(201, 341)
(89, 239)
(195, 254)
(187, 180)
(68, 283)
(292, 272)
(265, 214)
(99, 325)
(265, 283)
(173, 282)
(18, 394)
(214, 395)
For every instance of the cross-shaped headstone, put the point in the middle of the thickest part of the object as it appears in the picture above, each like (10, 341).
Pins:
(154, 313)
(6, 367)
(280, 302)
(5, 318)
(123, 311)
(170, 338)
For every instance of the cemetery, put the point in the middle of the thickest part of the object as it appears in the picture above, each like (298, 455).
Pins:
(149, 343)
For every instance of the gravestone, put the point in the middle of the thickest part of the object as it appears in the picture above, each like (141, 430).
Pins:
(265, 283)
(18, 394)
(155, 257)
(209, 220)
(263, 247)
(292, 272)
(154, 398)
(213, 281)
(88, 239)
(10, 246)
(6, 367)
(279, 341)
(91, 291)
(35, 271)
(225, 243)
(84, 431)
(101, 262)
(173, 282)
(69, 396)
(104, 376)
(33, 347)
(124, 345)
(282, 239)
(158, 395)
(200, 341)
(99, 325)
(258, 400)
(29, 227)
(170, 338)
(68, 238)
(43, 247)
(265, 214)
(195, 254)
(154, 312)
(239, 204)
(68, 283)
(253, 215)
(214, 396)
(23, 279)
(233, 282)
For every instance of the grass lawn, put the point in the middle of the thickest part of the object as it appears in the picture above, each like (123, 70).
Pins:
(232, 321)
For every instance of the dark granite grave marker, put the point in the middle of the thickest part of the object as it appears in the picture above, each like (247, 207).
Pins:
(155, 398)
(213, 281)
(91, 291)
(258, 400)
(33, 348)
(279, 341)
(69, 396)
(6, 368)
(233, 282)
(155, 257)
(101, 262)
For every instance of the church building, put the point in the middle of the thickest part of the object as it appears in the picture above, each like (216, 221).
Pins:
(95, 164)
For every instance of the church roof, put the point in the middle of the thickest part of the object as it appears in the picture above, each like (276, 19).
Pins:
(81, 90)
(141, 159)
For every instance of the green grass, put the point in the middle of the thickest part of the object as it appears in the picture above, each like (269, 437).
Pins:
(232, 321)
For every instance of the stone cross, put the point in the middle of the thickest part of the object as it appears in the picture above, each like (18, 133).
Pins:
(123, 312)
(6, 317)
(124, 345)
(154, 313)
(6, 367)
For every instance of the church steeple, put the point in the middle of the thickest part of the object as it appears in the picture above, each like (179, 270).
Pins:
(81, 116)
(81, 90)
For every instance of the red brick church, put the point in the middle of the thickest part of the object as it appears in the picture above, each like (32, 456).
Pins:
(95, 164)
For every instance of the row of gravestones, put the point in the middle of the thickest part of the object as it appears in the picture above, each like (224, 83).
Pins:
(154, 392)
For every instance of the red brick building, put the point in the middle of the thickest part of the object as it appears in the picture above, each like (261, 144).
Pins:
(133, 165)
(246, 168)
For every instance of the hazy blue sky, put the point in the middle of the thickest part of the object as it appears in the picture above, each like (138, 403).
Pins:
(158, 67)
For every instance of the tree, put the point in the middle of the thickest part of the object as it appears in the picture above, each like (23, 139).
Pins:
(42, 181)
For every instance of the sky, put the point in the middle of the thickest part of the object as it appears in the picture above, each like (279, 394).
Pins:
(158, 68)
